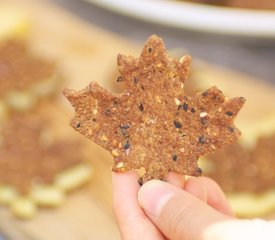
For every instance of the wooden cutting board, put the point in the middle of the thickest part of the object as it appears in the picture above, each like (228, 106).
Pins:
(85, 53)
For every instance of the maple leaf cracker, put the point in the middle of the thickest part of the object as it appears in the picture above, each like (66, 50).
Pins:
(152, 124)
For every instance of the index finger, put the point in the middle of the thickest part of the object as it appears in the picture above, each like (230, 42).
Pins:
(132, 221)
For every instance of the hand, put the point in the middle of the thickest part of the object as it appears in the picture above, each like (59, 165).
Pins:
(176, 210)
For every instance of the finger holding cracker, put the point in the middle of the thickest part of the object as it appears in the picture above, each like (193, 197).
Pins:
(133, 224)
(153, 124)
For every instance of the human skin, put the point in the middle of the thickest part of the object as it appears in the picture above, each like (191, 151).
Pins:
(198, 196)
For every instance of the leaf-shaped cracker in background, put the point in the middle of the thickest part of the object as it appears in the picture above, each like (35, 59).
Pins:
(152, 124)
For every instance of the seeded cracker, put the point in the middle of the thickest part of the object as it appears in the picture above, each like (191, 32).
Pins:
(152, 124)
(33, 157)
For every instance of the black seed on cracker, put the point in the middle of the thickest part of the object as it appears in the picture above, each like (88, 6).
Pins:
(175, 157)
(78, 125)
(204, 121)
(205, 93)
(140, 181)
(124, 129)
(125, 126)
(202, 139)
(141, 108)
(199, 171)
(177, 124)
(185, 106)
(119, 79)
(107, 112)
(230, 129)
(229, 113)
(126, 145)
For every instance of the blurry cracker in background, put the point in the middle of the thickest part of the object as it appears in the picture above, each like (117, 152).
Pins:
(14, 24)
(245, 169)
(25, 78)
(37, 168)
(35, 155)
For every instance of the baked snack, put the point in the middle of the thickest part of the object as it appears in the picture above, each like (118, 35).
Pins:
(34, 150)
(153, 124)
(35, 162)
(25, 78)
(37, 168)
(245, 170)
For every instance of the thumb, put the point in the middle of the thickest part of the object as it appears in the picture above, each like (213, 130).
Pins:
(177, 213)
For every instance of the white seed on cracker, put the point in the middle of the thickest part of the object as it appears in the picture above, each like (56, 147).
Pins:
(120, 165)
(182, 150)
(203, 114)
(104, 138)
(157, 98)
(119, 145)
(90, 131)
(177, 101)
(114, 142)
(172, 74)
(159, 65)
(213, 146)
(115, 153)
(95, 111)
(182, 59)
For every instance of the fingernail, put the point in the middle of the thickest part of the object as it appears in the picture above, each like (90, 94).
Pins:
(153, 196)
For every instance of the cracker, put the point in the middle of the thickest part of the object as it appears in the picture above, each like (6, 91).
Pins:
(153, 124)
(25, 78)
(52, 195)
(235, 168)
(34, 156)
(19, 63)
(37, 166)
(37, 169)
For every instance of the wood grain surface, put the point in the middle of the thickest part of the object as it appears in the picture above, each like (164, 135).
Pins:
(86, 53)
